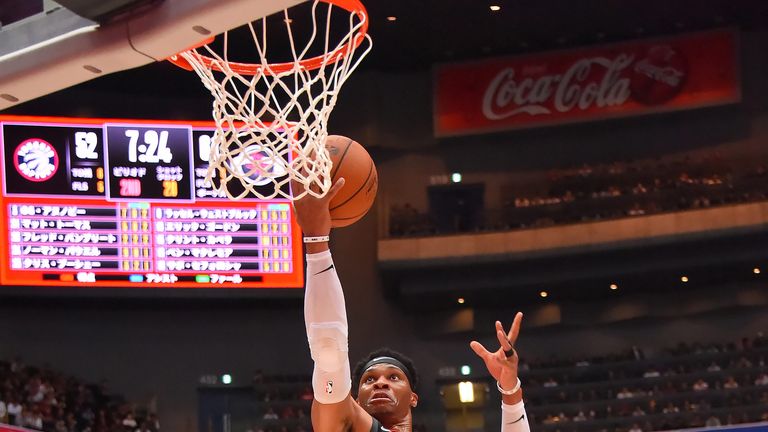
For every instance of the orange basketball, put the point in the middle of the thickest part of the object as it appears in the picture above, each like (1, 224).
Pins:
(351, 161)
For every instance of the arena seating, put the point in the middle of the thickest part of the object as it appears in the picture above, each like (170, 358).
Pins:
(624, 392)
(41, 398)
(600, 192)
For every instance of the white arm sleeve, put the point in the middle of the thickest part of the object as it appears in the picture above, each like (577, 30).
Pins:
(326, 320)
(514, 418)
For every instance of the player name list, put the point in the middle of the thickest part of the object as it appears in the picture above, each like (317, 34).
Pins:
(156, 242)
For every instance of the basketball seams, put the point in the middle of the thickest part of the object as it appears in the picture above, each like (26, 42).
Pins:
(362, 186)
(337, 165)
(352, 217)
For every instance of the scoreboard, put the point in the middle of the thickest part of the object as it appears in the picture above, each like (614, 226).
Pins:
(124, 203)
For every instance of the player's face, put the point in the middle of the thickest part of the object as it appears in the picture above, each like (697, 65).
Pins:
(384, 390)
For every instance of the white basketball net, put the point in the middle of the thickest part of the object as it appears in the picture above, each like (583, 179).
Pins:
(271, 119)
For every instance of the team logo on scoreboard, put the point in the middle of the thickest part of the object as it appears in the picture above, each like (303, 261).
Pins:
(36, 160)
(258, 165)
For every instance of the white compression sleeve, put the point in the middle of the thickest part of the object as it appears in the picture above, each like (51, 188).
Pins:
(326, 320)
(514, 418)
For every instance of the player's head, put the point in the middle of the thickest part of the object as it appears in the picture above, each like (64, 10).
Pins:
(386, 384)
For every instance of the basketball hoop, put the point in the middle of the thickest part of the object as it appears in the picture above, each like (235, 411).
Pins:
(271, 118)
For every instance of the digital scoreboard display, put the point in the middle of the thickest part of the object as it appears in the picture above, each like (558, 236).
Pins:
(124, 203)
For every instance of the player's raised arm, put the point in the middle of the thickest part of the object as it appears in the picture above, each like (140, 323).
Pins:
(502, 365)
(326, 321)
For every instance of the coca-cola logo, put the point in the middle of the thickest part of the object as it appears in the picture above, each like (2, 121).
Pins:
(600, 82)
(574, 89)
(659, 76)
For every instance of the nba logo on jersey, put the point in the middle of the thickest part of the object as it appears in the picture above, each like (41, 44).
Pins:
(329, 387)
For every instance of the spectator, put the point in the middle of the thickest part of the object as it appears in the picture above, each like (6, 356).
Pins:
(33, 419)
(624, 393)
(306, 394)
(730, 383)
(635, 428)
(153, 421)
(129, 423)
(3, 412)
(670, 408)
(579, 416)
(60, 426)
(270, 414)
(761, 379)
(15, 411)
(144, 427)
(288, 412)
(712, 421)
(700, 385)
(651, 373)
(550, 382)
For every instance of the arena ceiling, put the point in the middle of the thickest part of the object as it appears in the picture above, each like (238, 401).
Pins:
(432, 31)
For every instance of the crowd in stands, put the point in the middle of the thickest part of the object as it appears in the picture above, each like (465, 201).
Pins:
(687, 386)
(282, 404)
(40, 398)
(600, 192)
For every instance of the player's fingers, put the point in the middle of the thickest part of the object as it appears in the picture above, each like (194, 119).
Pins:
(506, 345)
(480, 350)
(515, 330)
(335, 189)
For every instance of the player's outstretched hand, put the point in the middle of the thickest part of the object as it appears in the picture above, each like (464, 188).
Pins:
(502, 363)
(312, 213)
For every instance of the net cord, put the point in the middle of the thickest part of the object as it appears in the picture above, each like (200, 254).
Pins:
(296, 132)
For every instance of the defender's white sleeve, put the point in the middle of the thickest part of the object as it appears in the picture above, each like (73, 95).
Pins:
(325, 316)
(514, 418)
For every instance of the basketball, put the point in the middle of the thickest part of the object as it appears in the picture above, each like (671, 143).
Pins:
(352, 162)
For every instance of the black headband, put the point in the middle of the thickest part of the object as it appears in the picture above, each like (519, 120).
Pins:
(390, 361)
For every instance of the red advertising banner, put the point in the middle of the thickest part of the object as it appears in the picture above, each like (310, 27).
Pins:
(9, 428)
(618, 80)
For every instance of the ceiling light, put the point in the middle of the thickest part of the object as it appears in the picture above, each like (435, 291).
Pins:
(543, 294)
(460, 300)
(614, 286)
(391, 18)
(684, 279)
(495, 8)
(756, 270)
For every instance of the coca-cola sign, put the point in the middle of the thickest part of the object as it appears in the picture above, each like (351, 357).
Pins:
(625, 79)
